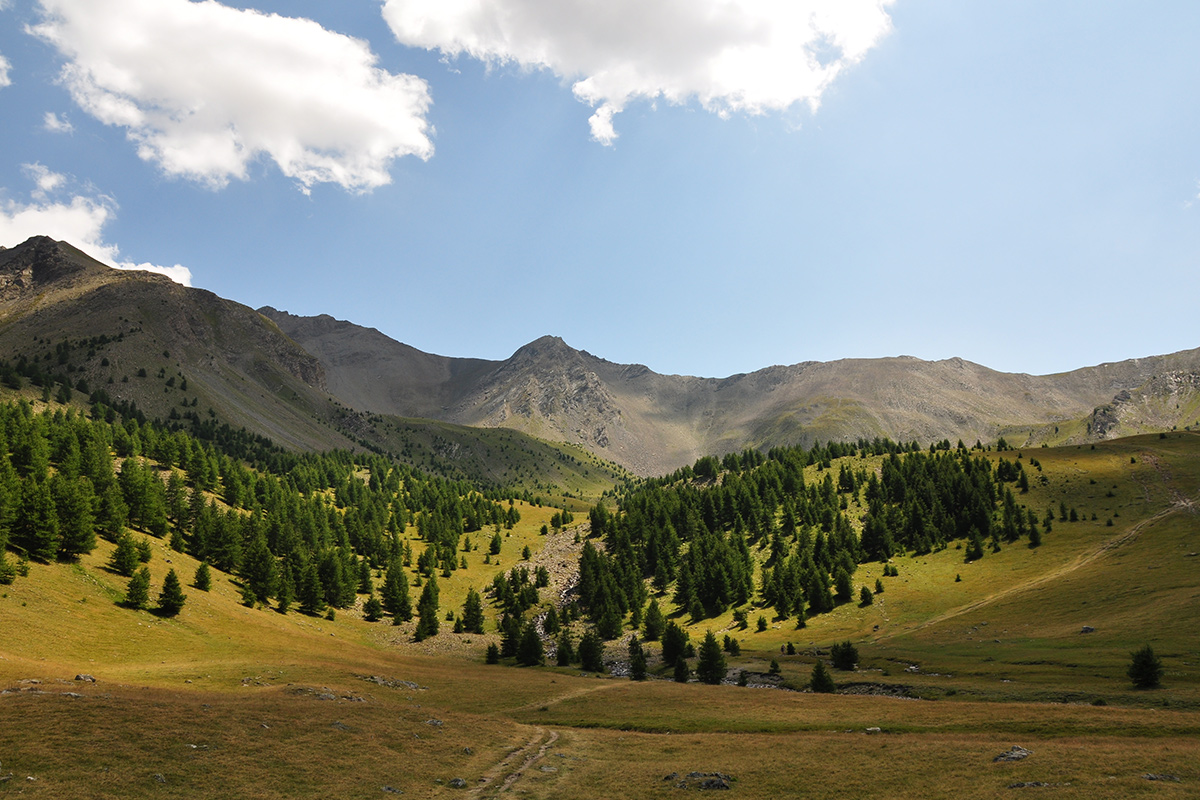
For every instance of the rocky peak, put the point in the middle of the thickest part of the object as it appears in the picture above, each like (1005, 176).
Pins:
(38, 261)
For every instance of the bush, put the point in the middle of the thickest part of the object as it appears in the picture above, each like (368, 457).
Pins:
(1145, 668)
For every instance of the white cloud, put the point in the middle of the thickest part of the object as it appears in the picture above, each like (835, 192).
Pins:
(205, 89)
(78, 219)
(749, 56)
(5, 66)
(56, 124)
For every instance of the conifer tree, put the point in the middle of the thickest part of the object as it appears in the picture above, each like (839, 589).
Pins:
(821, 681)
(74, 500)
(493, 654)
(654, 621)
(286, 595)
(711, 666)
(566, 651)
(674, 642)
(682, 671)
(472, 617)
(124, 559)
(427, 610)
(171, 598)
(1145, 668)
(529, 651)
(203, 579)
(591, 652)
(36, 525)
(259, 570)
(637, 660)
(311, 594)
(395, 593)
(137, 594)
(372, 609)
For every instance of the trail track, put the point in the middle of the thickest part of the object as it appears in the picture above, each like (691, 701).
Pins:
(513, 766)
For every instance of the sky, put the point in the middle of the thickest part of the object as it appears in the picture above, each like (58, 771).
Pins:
(706, 187)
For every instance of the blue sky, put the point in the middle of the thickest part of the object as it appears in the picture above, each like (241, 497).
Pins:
(1015, 183)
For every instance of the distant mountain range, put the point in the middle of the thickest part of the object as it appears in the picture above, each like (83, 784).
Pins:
(315, 382)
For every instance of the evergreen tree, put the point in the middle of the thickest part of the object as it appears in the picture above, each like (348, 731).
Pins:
(372, 609)
(395, 593)
(711, 666)
(682, 670)
(74, 500)
(137, 594)
(865, 598)
(36, 525)
(529, 650)
(427, 610)
(472, 617)
(654, 622)
(311, 594)
(844, 655)
(637, 660)
(286, 594)
(1145, 668)
(203, 579)
(566, 651)
(821, 681)
(259, 570)
(493, 654)
(124, 559)
(674, 642)
(171, 598)
(591, 652)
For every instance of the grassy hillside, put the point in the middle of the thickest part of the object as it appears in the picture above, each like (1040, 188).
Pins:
(228, 701)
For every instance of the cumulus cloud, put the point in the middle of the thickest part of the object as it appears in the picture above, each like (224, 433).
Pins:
(749, 56)
(204, 89)
(78, 219)
(4, 68)
(56, 124)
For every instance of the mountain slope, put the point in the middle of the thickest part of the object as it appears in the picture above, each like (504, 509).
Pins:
(654, 423)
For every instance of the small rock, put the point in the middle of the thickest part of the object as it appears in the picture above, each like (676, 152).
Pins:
(548, 769)
(458, 783)
(874, 730)
(158, 776)
(82, 677)
(437, 723)
(1016, 753)
(1028, 785)
(265, 725)
(1150, 776)
(674, 776)
(341, 726)
(714, 783)
(468, 751)
(1087, 629)
(392, 790)
(72, 694)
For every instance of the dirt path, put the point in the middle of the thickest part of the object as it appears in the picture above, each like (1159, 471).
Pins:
(514, 765)
(599, 687)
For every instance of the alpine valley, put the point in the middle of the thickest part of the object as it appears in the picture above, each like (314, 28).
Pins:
(245, 553)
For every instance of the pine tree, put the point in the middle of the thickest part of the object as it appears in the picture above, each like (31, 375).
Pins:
(137, 594)
(395, 593)
(36, 525)
(682, 670)
(493, 654)
(286, 594)
(566, 651)
(472, 617)
(170, 600)
(1145, 668)
(711, 666)
(637, 660)
(311, 594)
(372, 609)
(654, 621)
(865, 598)
(124, 559)
(427, 611)
(674, 642)
(203, 578)
(529, 650)
(259, 570)
(821, 681)
(74, 500)
(591, 652)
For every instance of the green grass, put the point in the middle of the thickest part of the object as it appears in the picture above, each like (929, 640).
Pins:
(244, 686)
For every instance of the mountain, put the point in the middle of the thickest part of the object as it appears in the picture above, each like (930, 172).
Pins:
(187, 355)
(317, 382)
(653, 423)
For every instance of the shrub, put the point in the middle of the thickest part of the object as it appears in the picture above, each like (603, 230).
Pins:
(844, 655)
